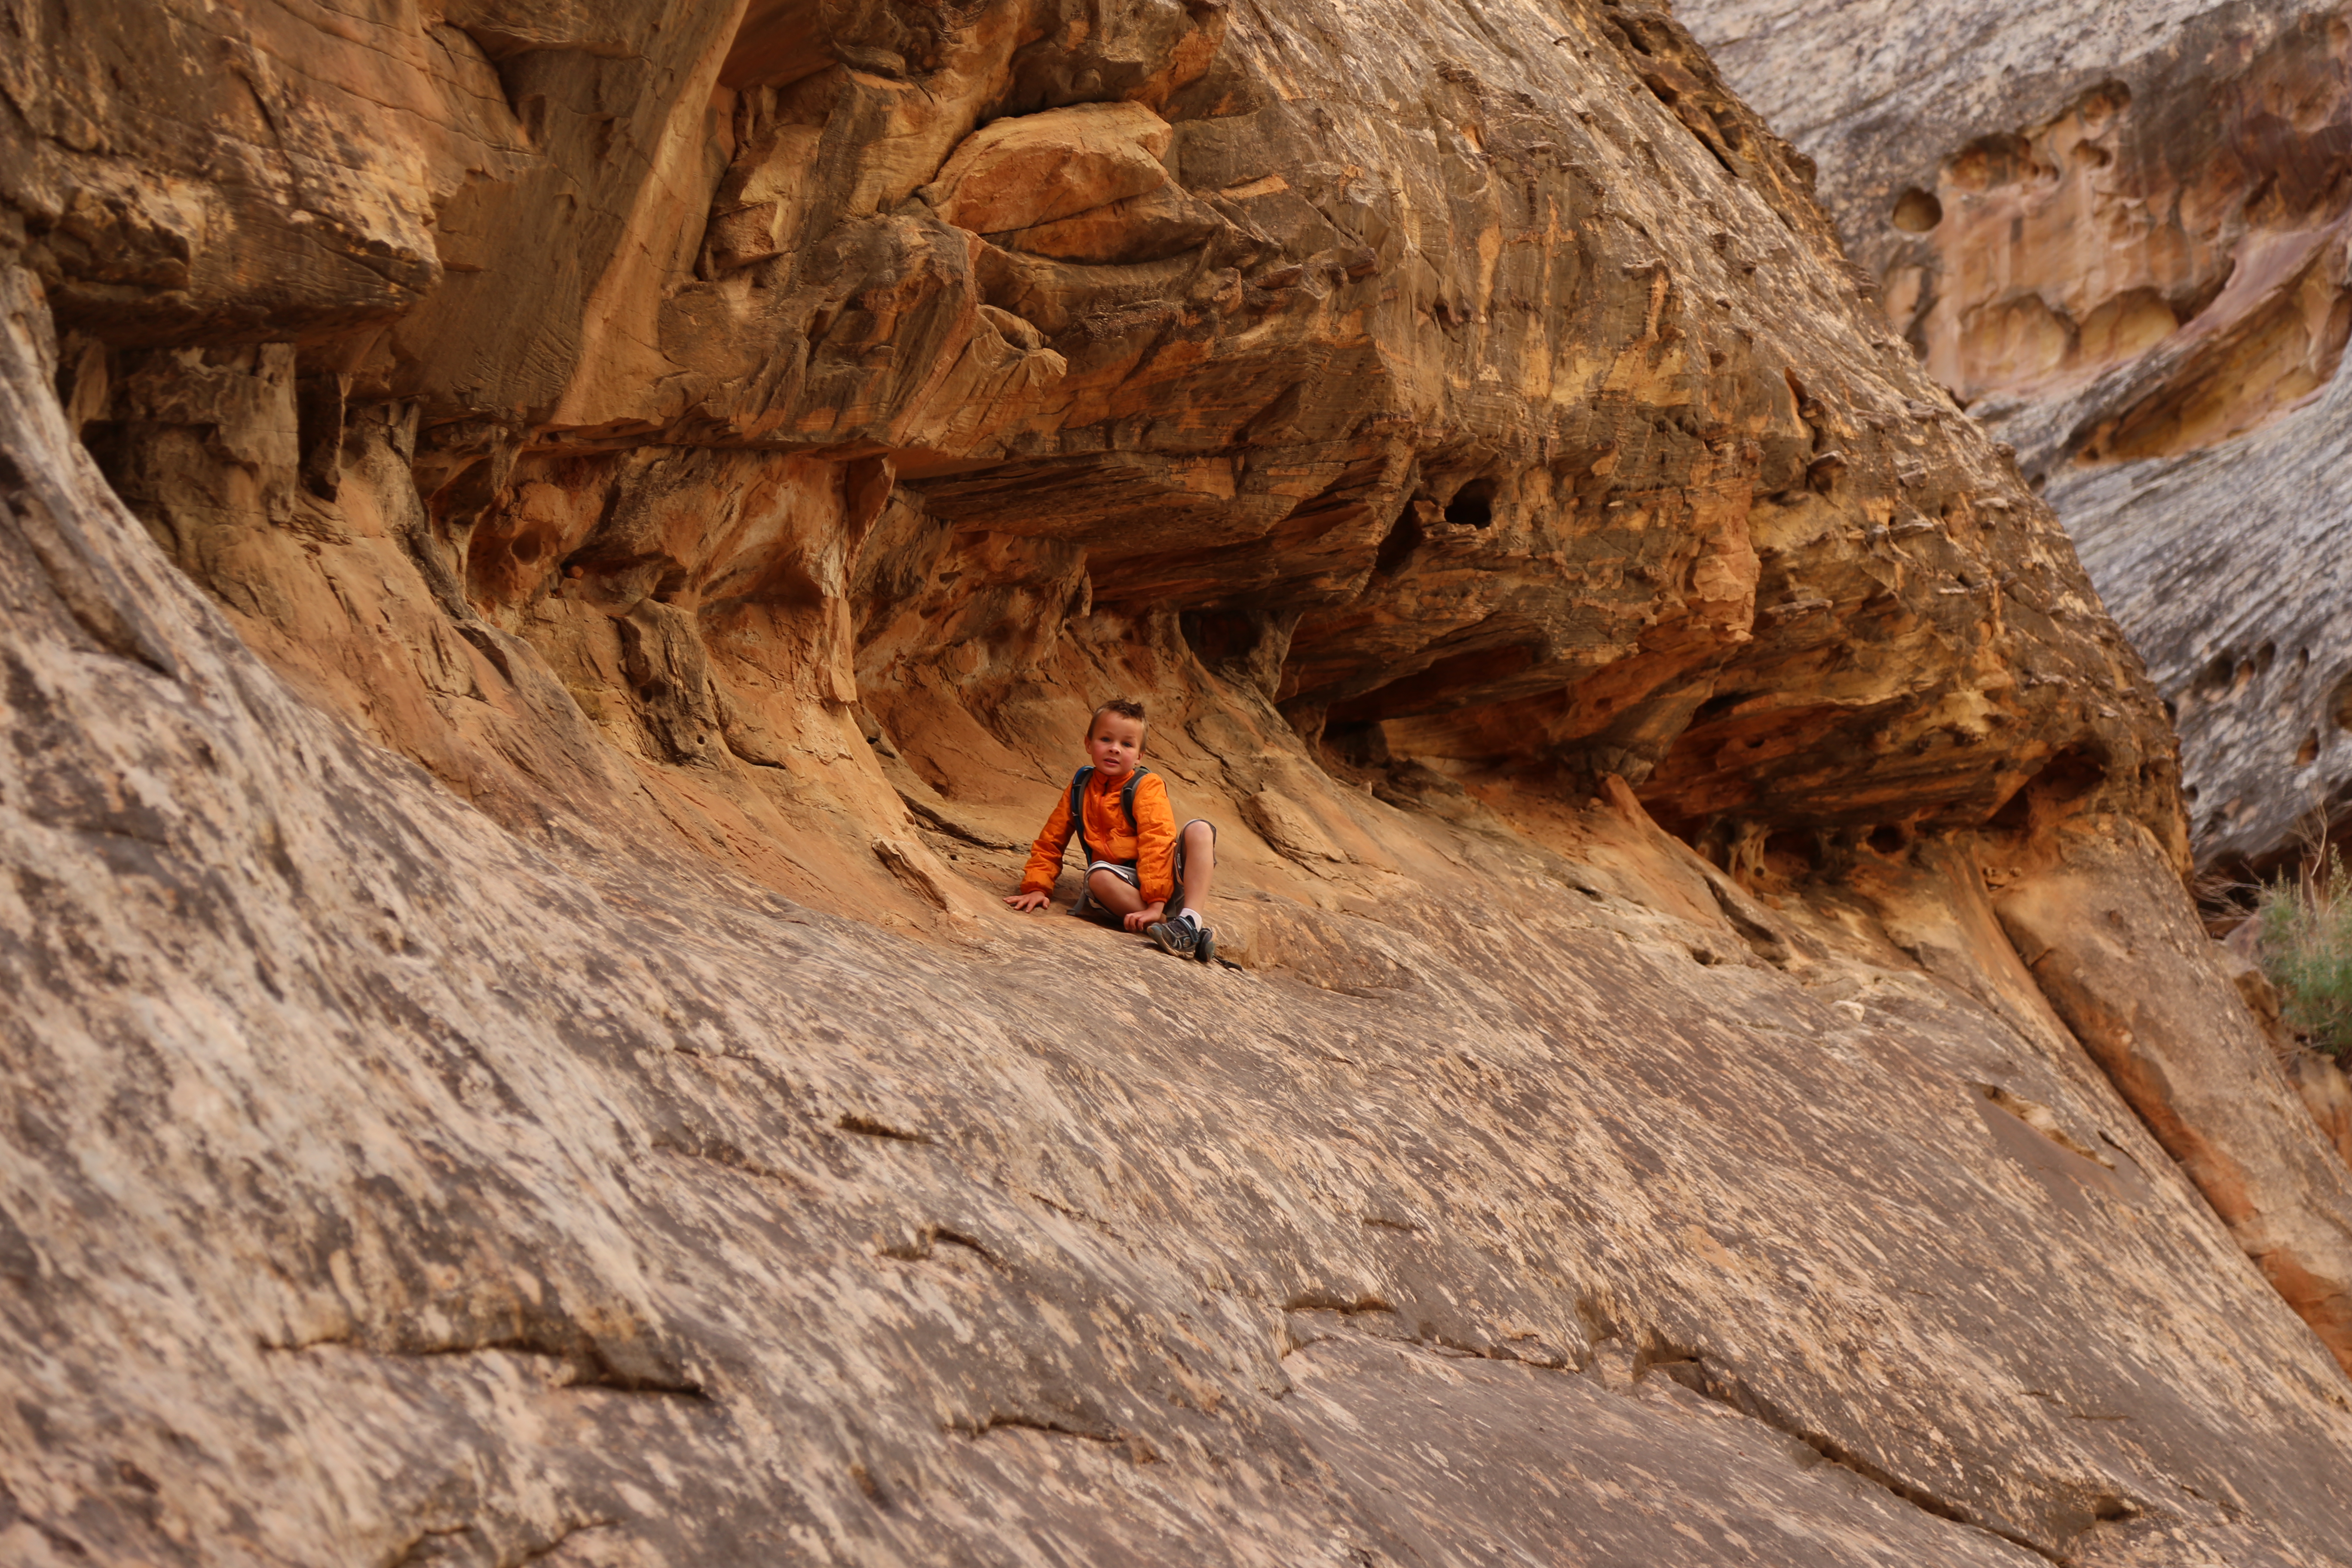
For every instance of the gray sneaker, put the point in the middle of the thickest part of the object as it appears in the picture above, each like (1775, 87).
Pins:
(1177, 937)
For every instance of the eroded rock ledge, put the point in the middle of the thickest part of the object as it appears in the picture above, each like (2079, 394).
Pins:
(513, 1053)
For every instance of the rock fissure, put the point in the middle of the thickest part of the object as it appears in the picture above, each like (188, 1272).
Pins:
(1693, 1372)
(588, 1371)
(871, 1127)
(562, 1539)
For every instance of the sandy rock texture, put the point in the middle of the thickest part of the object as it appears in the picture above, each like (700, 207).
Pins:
(554, 558)
(2117, 232)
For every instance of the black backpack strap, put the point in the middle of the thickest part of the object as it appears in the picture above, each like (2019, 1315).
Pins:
(1079, 782)
(1126, 797)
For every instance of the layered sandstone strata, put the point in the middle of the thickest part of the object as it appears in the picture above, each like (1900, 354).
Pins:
(2118, 234)
(554, 558)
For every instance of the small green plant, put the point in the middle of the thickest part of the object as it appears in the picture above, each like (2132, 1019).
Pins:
(2307, 949)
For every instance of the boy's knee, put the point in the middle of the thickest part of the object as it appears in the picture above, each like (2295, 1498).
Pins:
(1200, 838)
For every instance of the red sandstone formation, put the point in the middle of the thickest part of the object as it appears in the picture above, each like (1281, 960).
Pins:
(553, 557)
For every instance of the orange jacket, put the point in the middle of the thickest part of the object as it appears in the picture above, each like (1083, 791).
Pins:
(1152, 845)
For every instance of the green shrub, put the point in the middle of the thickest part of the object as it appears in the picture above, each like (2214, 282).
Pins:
(2306, 951)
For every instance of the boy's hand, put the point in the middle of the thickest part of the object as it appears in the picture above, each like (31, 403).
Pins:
(1146, 915)
(1024, 902)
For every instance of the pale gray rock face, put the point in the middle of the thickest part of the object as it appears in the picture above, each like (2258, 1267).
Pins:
(1881, 91)
(2233, 568)
(2117, 232)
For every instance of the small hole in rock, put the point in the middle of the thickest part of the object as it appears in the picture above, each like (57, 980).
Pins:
(1917, 211)
(1792, 853)
(2072, 773)
(1473, 505)
(1887, 839)
(1717, 706)
(1404, 537)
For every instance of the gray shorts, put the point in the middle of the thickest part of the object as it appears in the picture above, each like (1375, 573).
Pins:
(1087, 909)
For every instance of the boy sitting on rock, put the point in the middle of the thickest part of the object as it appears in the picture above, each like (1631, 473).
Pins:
(1136, 859)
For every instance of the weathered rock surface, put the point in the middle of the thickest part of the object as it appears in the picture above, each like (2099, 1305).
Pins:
(549, 576)
(2229, 564)
(2118, 234)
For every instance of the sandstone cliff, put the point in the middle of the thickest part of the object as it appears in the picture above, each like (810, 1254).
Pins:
(554, 555)
(2119, 233)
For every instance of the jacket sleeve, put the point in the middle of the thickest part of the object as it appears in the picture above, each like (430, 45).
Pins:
(1046, 855)
(1155, 840)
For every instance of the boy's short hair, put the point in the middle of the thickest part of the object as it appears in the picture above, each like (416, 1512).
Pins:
(1124, 707)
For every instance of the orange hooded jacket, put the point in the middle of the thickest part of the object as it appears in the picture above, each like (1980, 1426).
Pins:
(1151, 846)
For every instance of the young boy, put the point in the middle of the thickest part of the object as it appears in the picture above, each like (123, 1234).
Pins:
(1136, 859)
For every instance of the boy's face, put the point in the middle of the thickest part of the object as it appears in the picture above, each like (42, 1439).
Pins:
(1114, 743)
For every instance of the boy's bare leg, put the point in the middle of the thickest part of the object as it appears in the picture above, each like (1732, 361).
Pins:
(1200, 868)
(1114, 892)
